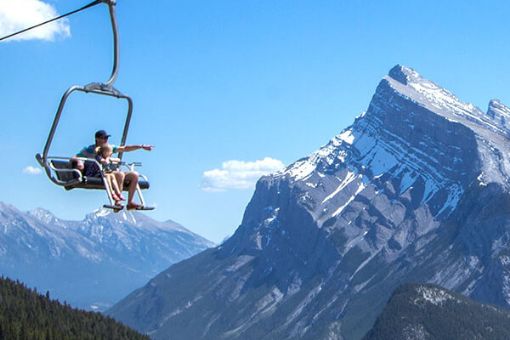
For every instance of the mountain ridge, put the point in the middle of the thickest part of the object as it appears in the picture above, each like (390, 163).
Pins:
(92, 262)
(412, 191)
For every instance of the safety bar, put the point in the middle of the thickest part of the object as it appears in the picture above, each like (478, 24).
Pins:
(48, 168)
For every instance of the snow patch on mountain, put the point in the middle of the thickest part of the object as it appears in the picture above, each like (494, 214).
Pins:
(434, 296)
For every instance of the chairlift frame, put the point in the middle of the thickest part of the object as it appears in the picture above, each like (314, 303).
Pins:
(106, 89)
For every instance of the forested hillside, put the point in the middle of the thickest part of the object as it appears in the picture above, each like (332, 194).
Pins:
(26, 314)
(432, 312)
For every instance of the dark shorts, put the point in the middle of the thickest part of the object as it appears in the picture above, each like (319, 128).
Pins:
(91, 169)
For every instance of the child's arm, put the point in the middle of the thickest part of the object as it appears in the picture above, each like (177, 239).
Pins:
(114, 160)
(102, 160)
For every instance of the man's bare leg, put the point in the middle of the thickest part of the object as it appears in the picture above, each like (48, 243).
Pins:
(132, 177)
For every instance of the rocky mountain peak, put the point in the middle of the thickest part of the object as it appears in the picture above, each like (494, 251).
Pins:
(404, 74)
(402, 139)
(408, 83)
(108, 215)
(43, 215)
(499, 112)
(6, 209)
(417, 188)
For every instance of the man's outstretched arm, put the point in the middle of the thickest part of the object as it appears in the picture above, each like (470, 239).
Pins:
(127, 148)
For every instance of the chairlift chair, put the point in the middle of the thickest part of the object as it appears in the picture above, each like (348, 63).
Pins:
(59, 169)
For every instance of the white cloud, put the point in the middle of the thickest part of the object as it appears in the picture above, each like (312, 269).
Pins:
(19, 14)
(31, 170)
(239, 174)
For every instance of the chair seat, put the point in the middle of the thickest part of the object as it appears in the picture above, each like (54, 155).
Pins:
(97, 183)
(87, 182)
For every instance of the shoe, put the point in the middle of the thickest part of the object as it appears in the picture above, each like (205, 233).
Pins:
(133, 206)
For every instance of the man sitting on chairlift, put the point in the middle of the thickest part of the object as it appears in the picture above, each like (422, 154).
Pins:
(131, 177)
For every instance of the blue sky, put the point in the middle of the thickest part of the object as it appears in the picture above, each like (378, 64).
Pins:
(214, 81)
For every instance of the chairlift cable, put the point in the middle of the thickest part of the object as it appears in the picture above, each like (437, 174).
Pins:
(93, 3)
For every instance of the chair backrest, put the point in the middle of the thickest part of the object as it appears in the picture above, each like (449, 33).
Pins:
(64, 176)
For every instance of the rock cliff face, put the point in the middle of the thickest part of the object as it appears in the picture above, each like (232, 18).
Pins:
(416, 189)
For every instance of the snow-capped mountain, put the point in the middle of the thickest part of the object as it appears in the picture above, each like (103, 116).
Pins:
(416, 189)
(91, 263)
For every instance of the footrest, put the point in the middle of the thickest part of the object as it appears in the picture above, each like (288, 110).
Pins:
(145, 208)
(115, 208)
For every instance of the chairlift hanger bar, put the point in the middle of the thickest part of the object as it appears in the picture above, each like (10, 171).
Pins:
(100, 88)
(105, 88)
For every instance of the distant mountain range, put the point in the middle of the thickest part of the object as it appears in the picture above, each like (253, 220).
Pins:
(94, 262)
(431, 312)
(417, 189)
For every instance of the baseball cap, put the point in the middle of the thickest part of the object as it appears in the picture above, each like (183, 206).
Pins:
(102, 134)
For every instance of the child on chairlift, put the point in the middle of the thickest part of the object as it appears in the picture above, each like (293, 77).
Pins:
(110, 164)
